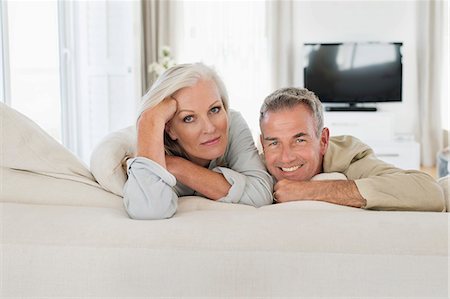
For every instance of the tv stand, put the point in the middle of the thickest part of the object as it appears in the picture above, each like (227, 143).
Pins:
(350, 107)
(377, 131)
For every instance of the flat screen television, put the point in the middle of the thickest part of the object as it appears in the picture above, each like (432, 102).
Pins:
(354, 73)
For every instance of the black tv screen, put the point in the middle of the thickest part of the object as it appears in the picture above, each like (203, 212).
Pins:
(354, 72)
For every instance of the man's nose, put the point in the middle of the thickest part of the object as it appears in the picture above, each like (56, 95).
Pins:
(287, 155)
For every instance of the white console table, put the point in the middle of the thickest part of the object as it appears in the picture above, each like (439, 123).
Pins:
(376, 130)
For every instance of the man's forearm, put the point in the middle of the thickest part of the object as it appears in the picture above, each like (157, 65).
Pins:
(338, 192)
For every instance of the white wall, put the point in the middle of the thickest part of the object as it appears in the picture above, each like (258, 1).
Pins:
(387, 21)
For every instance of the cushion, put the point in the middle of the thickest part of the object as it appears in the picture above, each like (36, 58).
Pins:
(108, 160)
(25, 146)
(329, 176)
(445, 183)
(28, 187)
(35, 168)
(79, 252)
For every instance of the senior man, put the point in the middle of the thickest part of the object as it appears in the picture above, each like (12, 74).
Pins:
(297, 147)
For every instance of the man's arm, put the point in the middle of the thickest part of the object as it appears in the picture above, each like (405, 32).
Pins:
(384, 186)
(337, 192)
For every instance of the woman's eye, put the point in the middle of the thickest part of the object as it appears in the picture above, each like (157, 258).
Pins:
(215, 109)
(188, 119)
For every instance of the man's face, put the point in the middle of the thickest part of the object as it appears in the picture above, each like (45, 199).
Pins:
(291, 147)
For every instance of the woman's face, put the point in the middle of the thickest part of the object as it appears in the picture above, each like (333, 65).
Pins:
(200, 124)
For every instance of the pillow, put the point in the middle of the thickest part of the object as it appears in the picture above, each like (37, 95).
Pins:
(108, 160)
(329, 176)
(28, 187)
(25, 146)
(445, 184)
(36, 168)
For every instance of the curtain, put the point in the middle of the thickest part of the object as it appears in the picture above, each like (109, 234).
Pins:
(431, 71)
(231, 37)
(281, 49)
(155, 34)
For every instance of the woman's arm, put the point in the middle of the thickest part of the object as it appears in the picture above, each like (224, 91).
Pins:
(244, 180)
(251, 183)
(209, 183)
(151, 124)
(148, 192)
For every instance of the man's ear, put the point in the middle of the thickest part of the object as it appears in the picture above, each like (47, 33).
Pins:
(169, 130)
(324, 140)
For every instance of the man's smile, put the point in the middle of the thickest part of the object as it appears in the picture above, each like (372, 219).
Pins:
(291, 169)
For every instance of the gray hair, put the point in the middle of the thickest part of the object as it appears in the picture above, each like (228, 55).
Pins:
(289, 97)
(171, 81)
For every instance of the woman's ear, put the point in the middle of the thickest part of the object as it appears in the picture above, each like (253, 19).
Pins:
(170, 132)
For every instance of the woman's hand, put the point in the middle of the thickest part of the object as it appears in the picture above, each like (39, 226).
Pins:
(159, 114)
(151, 126)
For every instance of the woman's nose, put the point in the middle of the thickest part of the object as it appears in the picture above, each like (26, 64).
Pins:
(208, 126)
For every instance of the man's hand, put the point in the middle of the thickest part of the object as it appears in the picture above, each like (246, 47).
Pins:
(338, 192)
(287, 190)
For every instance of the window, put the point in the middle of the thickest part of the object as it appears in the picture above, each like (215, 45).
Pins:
(106, 74)
(231, 37)
(72, 67)
(33, 59)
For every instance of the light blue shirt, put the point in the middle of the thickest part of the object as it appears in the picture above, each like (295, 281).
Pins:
(151, 192)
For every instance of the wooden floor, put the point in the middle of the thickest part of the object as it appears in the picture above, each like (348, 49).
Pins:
(430, 170)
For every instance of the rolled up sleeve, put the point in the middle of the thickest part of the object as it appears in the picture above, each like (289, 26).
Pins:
(148, 192)
(254, 189)
(250, 182)
(402, 191)
(382, 185)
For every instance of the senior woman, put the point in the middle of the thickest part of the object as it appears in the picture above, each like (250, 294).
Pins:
(190, 143)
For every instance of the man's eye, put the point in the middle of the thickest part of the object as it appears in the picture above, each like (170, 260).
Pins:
(188, 119)
(273, 143)
(215, 110)
(299, 140)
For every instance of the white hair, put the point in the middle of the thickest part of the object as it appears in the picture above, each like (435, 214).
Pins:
(289, 97)
(171, 81)
(178, 77)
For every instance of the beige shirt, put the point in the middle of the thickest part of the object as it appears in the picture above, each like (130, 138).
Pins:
(384, 186)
